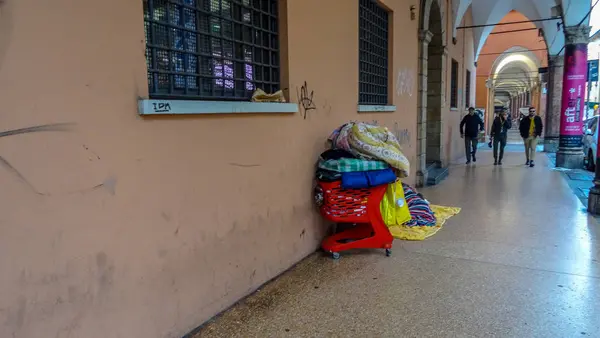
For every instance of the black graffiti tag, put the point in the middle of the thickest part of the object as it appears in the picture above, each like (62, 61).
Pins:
(306, 100)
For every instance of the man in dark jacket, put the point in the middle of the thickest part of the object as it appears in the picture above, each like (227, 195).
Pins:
(530, 129)
(499, 131)
(470, 126)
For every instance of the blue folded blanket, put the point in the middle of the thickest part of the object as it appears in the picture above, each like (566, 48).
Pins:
(365, 179)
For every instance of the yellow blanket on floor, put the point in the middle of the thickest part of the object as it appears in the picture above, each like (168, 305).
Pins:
(419, 233)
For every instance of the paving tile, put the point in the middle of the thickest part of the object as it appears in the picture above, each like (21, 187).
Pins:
(520, 260)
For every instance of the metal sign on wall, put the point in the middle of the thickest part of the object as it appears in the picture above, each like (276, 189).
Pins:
(592, 70)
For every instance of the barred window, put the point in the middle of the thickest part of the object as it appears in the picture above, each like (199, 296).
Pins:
(211, 49)
(373, 53)
(454, 85)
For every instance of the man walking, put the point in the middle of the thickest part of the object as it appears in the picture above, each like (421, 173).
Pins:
(499, 132)
(470, 126)
(530, 129)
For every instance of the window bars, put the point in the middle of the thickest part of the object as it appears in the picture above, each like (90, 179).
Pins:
(454, 85)
(211, 49)
(373, 53)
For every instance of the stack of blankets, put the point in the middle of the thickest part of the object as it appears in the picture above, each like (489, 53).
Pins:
(364, 155)
(355, 173)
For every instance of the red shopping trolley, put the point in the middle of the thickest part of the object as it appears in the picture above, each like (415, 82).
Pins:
(354, 206)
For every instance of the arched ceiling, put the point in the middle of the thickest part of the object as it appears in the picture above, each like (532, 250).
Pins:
(515, 71)
(486, 12)
(501, 100)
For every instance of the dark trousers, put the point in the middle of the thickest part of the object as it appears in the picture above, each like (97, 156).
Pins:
(470, 146)
(499, 144)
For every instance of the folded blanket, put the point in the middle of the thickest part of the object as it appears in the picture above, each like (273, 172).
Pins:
(365, 179)
(345, 165)
(371, 142)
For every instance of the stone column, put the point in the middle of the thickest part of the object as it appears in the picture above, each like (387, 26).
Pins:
(570, 154)
(424, 40)
(436, 73)
(513, 107)
(443, 155)
(553, 102)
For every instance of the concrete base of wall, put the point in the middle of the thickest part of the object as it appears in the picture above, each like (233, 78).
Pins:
(551, 144)
(593, 206)
(422, 176)
(569, 158)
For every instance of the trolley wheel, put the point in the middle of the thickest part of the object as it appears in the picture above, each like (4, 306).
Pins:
(335, 255)
(388, 252)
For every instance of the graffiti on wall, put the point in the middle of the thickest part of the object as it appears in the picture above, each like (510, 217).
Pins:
(305, 99)
(405, 82)
(403, 135)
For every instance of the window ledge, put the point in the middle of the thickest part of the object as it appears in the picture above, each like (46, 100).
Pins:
(453, 109)
(189, 107)
(375, 108)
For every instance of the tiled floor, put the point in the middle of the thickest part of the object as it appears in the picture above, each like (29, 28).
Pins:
(580, 180)
(520, 260)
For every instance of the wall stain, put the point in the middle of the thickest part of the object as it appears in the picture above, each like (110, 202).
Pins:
(405, 82)
(95, 156)
(4, 163)
(105, 273)
(6, 28)
(165, 216)
(41, 128)
(241, 165)
(110, 183)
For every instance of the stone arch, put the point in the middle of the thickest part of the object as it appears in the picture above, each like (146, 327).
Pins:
(425, 17)
(432, 61)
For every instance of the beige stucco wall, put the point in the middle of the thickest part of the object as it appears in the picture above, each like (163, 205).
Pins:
(463, 52)
(126, 226)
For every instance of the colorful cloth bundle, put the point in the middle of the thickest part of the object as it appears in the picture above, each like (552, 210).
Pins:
(419, 208)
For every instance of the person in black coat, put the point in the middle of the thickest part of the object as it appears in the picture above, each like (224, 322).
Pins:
(470, 126)
(498, 134)
(530, 129)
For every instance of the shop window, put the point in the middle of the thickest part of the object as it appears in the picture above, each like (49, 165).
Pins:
(373, 53)
(211, 49)
(454, 85)
(468, 89)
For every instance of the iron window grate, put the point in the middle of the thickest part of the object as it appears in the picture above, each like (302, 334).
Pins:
(454, 85)
(373, 53)
(211, 49)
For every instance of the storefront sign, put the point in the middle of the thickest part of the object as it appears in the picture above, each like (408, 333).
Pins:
(592, 71)
(573, 98)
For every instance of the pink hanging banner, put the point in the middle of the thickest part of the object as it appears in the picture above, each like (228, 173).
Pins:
(573, 96)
